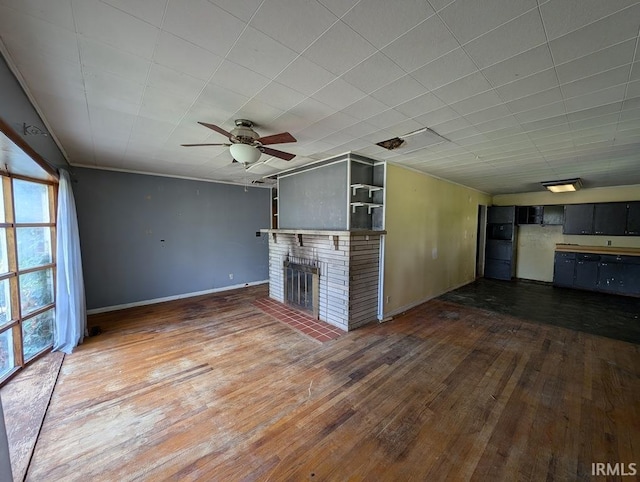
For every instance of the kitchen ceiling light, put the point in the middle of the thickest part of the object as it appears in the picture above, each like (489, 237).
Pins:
(566, 185)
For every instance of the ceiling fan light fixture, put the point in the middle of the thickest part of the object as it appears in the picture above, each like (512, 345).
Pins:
(244, 153)
(566, 185)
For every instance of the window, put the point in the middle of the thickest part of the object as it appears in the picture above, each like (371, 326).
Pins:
(27, 271)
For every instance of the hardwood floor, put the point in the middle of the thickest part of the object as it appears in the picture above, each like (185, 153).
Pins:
(25, 400)
(211, 388)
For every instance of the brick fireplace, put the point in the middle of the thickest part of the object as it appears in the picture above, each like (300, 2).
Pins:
(345, 266)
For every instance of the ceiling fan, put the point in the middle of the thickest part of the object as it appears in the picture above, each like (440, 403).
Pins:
(246, 145)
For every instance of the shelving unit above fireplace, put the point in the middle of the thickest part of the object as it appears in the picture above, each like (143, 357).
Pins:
(342, 193)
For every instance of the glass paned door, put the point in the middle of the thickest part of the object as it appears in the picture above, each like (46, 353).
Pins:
(27, 271)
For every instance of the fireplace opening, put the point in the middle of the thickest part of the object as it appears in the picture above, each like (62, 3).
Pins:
(301, 286)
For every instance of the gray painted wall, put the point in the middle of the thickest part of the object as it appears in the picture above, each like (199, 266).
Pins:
(314, 199)
(209, 231)
(16, 109)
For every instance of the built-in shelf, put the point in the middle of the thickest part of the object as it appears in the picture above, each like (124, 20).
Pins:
(369, 206)
(368, 187)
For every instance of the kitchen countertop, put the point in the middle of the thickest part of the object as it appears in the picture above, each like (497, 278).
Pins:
(615, 250)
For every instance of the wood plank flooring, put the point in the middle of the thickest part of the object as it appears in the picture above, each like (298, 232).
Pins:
(212, 388)
(25, 400)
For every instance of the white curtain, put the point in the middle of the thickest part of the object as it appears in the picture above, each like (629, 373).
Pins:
(71, 313)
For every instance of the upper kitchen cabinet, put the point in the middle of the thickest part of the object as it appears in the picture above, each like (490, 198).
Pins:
(553, 215)
(610, 219)
(544, 215)
(501, 215)
(633, 218)
(604, 219)
(529, 214)
(578, 219)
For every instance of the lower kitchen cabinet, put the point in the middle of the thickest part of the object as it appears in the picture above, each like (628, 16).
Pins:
(564, 269)
(498, 269)
(586, 271)
(606, 273)
(611, 274)
(631, 278)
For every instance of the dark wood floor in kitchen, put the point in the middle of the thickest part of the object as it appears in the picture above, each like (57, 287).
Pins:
(212, 388)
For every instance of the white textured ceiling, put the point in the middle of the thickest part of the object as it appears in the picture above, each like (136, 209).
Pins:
(524, 90)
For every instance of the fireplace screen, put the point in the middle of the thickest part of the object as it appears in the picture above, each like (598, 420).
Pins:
(301, 286)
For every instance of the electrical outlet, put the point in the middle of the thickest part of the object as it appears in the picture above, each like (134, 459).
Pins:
(388, 299)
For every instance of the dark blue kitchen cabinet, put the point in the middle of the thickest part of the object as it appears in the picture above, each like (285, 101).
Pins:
(610, 219)
(500, 245)
(633, 218)
(607, 273)
(611, 274)
(578, 219)
(586, 271)
(501, 215)
(603, 219)
(631, 276)
(564, 267)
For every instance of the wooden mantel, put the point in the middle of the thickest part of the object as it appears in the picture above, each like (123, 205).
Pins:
(320, 232)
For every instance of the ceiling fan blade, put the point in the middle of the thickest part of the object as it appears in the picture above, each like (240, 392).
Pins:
(275, 153)
(220, 130)
(195, 145)
(281, 138)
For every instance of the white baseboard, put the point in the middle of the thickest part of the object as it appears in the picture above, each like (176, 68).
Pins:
(407, 307)
(172, 298)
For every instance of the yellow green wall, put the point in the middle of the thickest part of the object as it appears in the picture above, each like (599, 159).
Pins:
(536, 244)
(430, 246)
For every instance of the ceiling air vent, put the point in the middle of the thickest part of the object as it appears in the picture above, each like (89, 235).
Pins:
(391, 144)
(415, 140)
